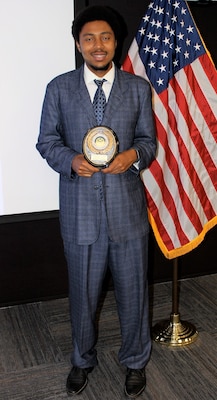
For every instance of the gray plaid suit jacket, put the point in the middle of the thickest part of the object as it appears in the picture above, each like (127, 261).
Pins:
(66, 116)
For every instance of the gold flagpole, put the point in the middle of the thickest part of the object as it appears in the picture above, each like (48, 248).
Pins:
(175, 332)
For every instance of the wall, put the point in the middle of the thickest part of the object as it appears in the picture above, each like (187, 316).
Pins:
(35, 46)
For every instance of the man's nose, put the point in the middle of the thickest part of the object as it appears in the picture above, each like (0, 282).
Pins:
(99, 43)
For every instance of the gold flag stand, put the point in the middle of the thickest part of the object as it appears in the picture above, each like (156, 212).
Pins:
(174, 332)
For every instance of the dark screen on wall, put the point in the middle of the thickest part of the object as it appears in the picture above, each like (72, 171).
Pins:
(204, 14)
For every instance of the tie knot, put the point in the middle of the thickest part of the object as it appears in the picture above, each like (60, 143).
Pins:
(99, 82)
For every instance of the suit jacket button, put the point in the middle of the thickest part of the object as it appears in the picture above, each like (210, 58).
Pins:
(96, 187)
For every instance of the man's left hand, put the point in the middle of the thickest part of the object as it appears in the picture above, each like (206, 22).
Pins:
(122, 162)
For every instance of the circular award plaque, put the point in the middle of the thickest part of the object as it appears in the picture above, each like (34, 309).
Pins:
(100, 146)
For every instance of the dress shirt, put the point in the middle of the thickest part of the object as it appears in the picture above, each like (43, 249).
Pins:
(92, 87)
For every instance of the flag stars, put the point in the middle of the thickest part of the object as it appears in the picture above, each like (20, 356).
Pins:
(151, 5)
(160, 82)
(150, 36)
(146, 49)
(162, 68)
(146, 18)
(180, 36)
(166, 41)
(160, 10)
(158, 24)
(151, 64)
(154, 51)
(164, 54)
(168, 38)
(197, 46)
(178, 49)
(176, 5)
(142, 31)
(174, 19)
(156, 38)
(190, 29)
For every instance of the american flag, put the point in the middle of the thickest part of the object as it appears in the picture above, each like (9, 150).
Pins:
(181, 184)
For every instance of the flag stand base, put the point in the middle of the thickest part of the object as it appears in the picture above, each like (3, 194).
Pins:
(175, 332)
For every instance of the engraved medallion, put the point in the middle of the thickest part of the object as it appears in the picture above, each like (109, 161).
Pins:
(100, 146)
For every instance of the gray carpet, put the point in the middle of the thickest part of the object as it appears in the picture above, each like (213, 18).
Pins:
(35, 347)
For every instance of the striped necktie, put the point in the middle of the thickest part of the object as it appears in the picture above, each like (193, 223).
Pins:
(99, 101)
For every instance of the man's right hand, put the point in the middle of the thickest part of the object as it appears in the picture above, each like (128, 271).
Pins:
(82, 167)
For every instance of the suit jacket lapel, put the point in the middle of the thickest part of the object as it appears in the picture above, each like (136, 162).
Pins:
(83, 99)
(117, 96)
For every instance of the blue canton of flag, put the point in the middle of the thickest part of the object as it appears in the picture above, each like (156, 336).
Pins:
(168, 40)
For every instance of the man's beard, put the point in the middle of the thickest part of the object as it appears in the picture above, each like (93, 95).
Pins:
(103, 68)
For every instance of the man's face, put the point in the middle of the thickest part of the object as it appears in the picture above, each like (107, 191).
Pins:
(97, 45)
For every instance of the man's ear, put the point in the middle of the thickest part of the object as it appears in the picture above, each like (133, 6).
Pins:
(78, 46)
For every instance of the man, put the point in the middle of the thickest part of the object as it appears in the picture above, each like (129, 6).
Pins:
(103, 215)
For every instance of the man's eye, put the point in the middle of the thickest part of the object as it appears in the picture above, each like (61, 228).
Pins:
(106, 38)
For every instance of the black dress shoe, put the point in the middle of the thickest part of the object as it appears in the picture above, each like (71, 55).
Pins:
(77, 380)
(135, 382)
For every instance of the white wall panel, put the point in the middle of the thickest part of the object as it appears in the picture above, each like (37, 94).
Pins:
(35, 46)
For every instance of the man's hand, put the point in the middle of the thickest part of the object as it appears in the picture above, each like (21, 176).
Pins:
(122, 162)
(82, 167)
